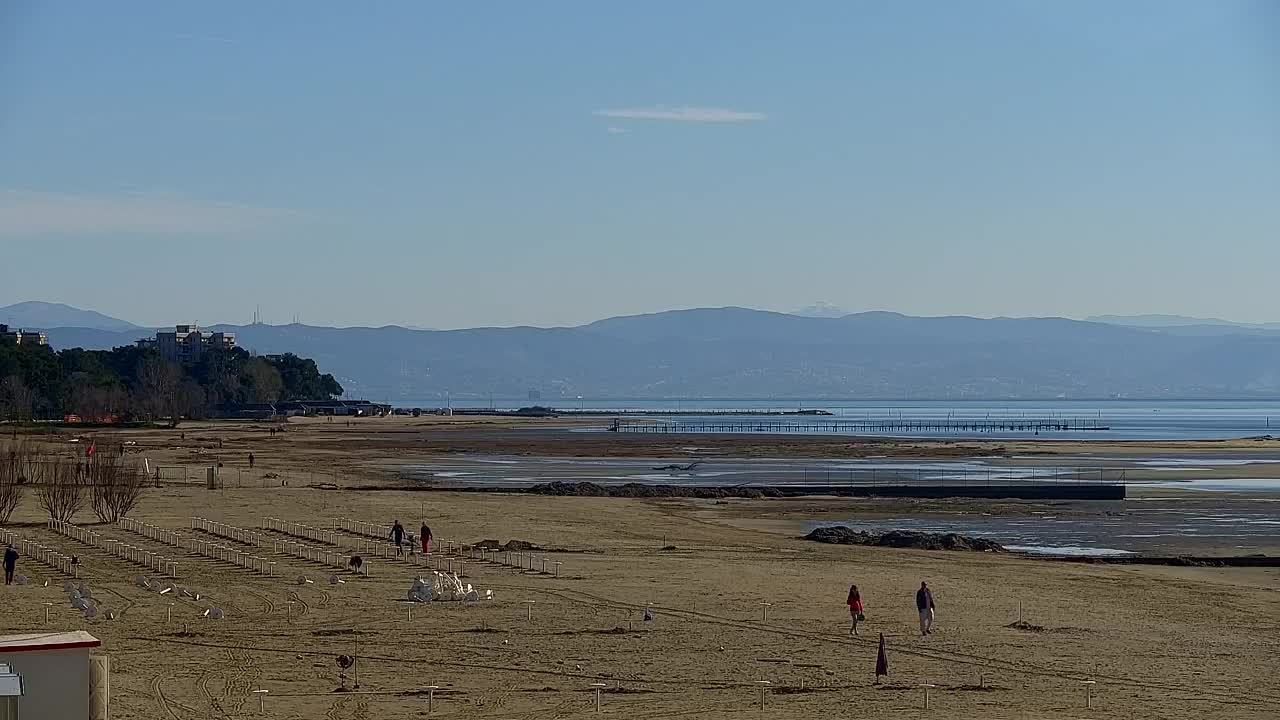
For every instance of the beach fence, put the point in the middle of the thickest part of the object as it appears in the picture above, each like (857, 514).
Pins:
(123, 550)
(41, 553)
(448, 555)
(199, 546)
(301, 551)
(374, 538)
(299, 530)
(217, 478)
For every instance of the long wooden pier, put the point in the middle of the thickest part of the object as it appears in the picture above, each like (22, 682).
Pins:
(869, 427)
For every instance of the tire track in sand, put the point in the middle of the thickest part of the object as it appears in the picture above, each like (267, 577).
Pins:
(236, 691)
(303, 607)
(266, 600)
(362, 708)
(158, 692)
(214, 704)
(337, 706)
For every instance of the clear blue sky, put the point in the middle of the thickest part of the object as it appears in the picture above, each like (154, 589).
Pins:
(456, 164)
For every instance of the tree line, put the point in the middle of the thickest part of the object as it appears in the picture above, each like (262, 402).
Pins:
(134, 383)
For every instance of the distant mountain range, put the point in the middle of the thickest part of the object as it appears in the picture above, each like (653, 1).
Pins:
(1184, 325)
(737, 352)
(40, 315)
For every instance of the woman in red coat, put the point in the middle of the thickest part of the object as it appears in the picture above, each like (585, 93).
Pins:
(855, 609)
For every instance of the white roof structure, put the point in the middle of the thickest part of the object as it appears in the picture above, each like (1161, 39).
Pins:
(48, 641)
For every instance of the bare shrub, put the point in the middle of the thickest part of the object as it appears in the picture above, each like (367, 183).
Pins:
(17, 460)
(60, 488)
(116, 485)
(17, 401)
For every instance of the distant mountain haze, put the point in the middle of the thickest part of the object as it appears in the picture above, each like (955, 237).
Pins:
(739, 352)
(1168, 321)
(41, 315)
(821, 309)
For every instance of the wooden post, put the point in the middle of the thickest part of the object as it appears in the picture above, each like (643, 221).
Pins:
(926, 687)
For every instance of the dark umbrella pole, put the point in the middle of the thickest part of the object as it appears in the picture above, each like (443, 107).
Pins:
(882, 661)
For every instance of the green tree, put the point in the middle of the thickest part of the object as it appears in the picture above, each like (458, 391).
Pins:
(303, 380)
(262, 381)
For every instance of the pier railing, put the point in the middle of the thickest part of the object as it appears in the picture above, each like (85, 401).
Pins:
(866, 427)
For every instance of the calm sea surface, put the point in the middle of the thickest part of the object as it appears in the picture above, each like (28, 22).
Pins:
(1127, 419)
(1235, 515)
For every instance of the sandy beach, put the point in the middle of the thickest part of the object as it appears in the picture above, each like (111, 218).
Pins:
(1162, 642)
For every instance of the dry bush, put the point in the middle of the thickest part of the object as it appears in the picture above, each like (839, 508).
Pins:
(17, 461)
(116, 485)
(60, 488)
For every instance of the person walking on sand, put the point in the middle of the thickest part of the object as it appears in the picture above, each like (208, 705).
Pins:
(924, 604)
(250, 461)
(855, 609)
(10, 564)
(397, 536)
(425, 534)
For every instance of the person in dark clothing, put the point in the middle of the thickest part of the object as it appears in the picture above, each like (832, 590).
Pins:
(425, 534)
(397, 536)
(924, 604)
(250, 461)
(10, 564)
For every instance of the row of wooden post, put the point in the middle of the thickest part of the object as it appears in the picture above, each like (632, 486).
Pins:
(123, 550)
(511, 558)
(41, 553)
(285, 527)
(324, 556)
(159, 534)
(231, 532)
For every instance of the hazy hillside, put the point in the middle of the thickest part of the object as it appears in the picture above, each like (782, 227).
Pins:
(735, 352)
(43, 315)
(1184, 324)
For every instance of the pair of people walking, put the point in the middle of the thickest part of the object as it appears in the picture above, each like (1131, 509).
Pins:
(398, 536)
(924, 606)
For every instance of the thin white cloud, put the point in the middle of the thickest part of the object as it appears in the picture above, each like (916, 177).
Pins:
(614, 130)
(26, 213)
(683, 114)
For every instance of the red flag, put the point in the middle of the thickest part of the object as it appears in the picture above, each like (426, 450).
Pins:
(88, 452)
(882, 661)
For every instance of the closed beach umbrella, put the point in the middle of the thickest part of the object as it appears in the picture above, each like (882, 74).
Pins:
(882, 661)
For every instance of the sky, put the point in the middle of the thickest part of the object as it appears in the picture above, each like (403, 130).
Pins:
(464, 164)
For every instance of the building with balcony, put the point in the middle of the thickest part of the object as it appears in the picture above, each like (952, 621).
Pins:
(188, 343)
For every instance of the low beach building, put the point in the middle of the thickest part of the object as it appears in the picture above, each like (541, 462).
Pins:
(306, 408)
(58, 677)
